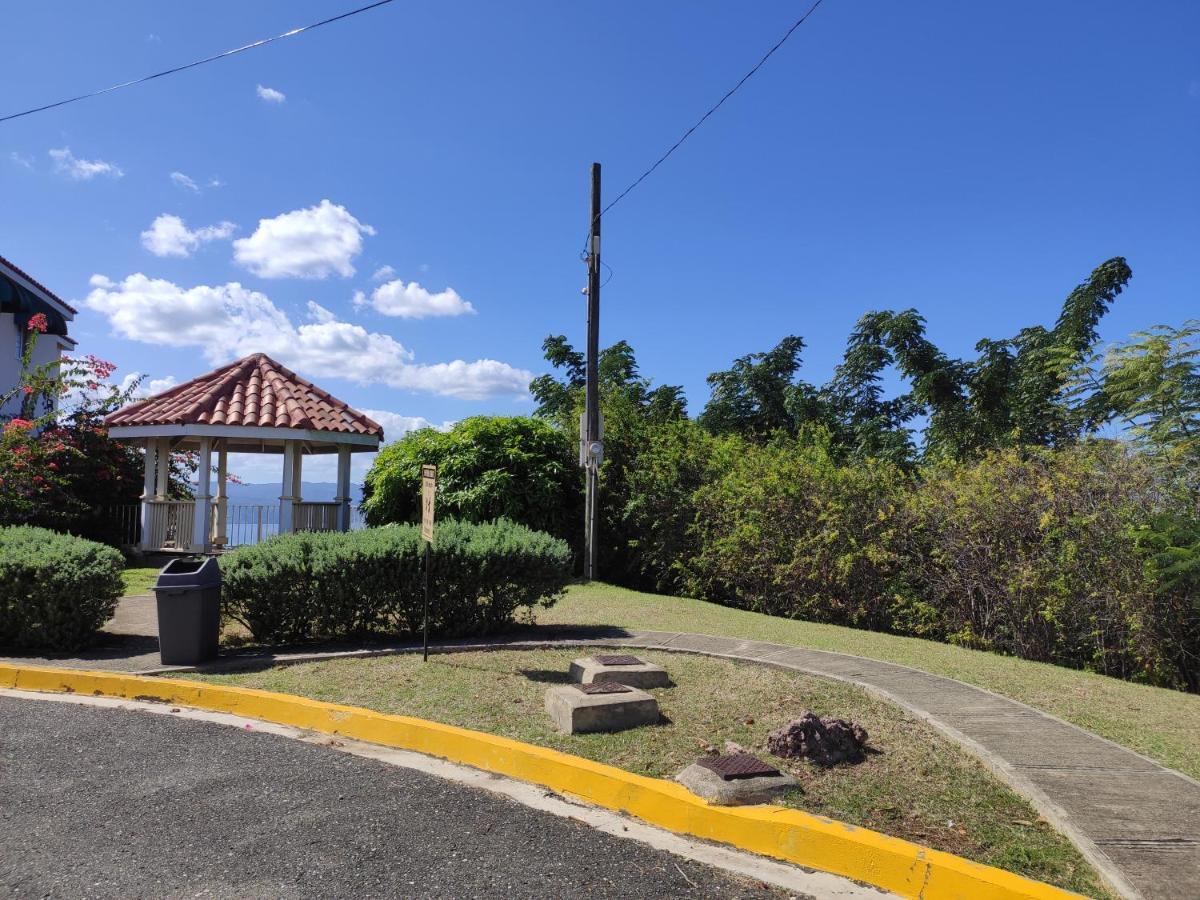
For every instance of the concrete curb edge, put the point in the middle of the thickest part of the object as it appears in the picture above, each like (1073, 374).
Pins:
(786, 834)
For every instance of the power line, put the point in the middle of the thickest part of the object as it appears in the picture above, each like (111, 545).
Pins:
(733, 90)
(199, 62)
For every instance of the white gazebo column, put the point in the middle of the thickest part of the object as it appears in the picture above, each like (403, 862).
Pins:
(202, 524)
(287, 500)
(164, 468)
(298, 473)
(148, 482)
(159, 512)
(222, 500)
(343, 487)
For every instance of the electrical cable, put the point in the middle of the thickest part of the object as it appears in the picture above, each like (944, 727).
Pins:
(199, 62)
(687, 134)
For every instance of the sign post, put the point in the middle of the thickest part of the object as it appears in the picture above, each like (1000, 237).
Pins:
(428, 493)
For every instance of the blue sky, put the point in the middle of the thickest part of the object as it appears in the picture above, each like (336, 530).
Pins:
(972, 160)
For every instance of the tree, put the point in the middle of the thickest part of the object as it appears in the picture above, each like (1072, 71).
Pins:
(759, 394)
(1152, 384)
(489, 467)
(1011, 394)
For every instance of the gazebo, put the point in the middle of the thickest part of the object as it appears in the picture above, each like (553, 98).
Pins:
(253, 405)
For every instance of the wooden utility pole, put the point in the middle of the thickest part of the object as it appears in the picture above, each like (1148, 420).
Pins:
(592, 449)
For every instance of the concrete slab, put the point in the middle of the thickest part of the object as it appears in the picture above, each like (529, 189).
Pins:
(706, 783)
(575, 712)
(639, 674)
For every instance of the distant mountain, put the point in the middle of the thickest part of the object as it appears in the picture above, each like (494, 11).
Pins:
(265, 494)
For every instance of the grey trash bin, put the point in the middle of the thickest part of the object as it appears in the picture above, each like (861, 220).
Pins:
(188, 592)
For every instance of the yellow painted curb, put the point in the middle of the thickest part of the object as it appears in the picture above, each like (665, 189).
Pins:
(787, 834)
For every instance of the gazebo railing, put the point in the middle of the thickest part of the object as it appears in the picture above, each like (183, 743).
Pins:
(250, 524)
(122, 524)
(311, 516)
(172, 523)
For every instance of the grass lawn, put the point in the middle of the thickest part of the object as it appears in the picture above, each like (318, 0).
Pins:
(139, 580)
(917, 786)
(1159, 723)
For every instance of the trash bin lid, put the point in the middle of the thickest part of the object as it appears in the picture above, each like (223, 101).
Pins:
(189, 573)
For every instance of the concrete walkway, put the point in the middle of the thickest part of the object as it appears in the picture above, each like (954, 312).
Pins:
(1137, 821)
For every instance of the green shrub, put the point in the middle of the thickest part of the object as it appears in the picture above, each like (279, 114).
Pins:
(489, 467)
(1085, 556)
(1032, 553)
(784, 529)
(298, 587)
(1170, 622)
(55, 590)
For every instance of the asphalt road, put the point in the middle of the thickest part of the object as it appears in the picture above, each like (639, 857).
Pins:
(114, 803)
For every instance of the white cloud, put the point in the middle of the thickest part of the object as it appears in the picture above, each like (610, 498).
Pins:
(320, 314)
(270, 94)
(21, 159)
(383, 273)
(149, 386)
(395, 426)
(158, 385)
(184, 182)
(305, 243)
(67, 163)
(229, 321)
(169, 236)
(411, 301)
(188, 183)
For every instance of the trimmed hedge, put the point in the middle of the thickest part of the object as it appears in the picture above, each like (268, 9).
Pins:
(298, 587)
(56, 590)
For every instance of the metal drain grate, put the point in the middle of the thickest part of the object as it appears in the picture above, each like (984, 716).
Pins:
(603, 687)
(736, 765)
(618, 659)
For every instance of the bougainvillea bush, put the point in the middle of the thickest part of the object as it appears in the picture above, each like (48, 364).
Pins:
(56, 590)
(58, 467)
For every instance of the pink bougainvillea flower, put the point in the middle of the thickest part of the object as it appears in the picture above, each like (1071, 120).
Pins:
(14, 424)
(38, 323)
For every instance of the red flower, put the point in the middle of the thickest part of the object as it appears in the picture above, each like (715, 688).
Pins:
(53, 467)
(100, 368)
(14, 424)
(38, 323)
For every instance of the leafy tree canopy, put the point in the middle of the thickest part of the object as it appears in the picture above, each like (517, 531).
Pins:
(1014, 393)
(489, 467)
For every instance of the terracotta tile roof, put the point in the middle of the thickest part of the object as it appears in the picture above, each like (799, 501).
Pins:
(37, 284)
(254, 392)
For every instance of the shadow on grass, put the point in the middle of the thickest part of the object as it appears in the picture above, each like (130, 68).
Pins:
(565, 633)
(847, 762)
(246, 655)
(546, 676)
